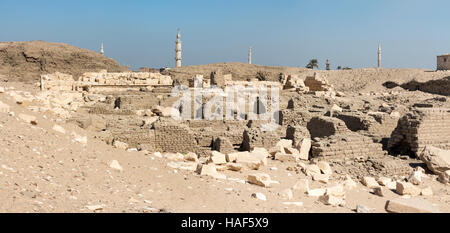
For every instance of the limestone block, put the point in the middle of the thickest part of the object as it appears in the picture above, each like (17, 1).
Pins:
(325, 167)
(217, 158)
(410, 205)
(302, 185)
(286, 194)
(28, 118)
(114, 164)
(260, 179)
(405, 188)
(437, 160)
(4, 108)
(332, 200)
(120, 145)
(59, 129)
(370, 182)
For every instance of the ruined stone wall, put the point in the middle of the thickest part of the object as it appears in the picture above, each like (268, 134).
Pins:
(174, 137)
(64, 82)
(377, 124)
(57, 82)
(346, 145)
(326, 126)
(422, 127)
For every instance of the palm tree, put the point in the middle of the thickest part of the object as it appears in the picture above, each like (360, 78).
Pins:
(313, 63)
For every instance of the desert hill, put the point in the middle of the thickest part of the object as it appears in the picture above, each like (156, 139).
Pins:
(26, 61)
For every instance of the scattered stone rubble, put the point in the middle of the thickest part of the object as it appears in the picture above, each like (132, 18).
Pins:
(316, 135)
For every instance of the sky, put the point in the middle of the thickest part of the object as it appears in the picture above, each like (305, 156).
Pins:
(141, 33)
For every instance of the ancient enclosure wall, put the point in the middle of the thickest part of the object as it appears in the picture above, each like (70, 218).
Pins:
(64, 82)
(422, 127)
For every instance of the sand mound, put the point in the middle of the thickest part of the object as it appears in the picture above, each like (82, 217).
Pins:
(26, 61)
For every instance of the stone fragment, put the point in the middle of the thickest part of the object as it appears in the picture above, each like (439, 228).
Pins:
(323, 178)
(379, 191)
(362, 209)
(59, 129)
(325, 167)
(302, 185)
(120, 145)
(191, 157)
(296, 203)
(336, 190)
(410, 205)
(349, 183)
(260, 179)
(28, 118)
(286, 194)
(283, 157)
(311, 169)
(114, 164)
(405, 188)
(332, 200)
(316, 192)
(94, 207)
(284, 143)
(304, 147)
(384, 181)
(259, 196)
(427, 191)
(370, 182)
(209, 170)
(444, 177)
(416, 176)
(234, 166)
(217, 158)
(4, 108)
(437, 160)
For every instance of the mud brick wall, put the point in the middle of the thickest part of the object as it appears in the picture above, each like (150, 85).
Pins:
(136, 102)
(422, 127)
(223, 145)
(173, 137)
(326, 126)
(135, 138)
(346, 145)
(297, 133)
(377, 124)
(254, 137)
(294, 117)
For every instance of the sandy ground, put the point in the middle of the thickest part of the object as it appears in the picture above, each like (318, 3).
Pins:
(42, 170)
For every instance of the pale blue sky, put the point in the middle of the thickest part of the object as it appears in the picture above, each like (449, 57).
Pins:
(285, 33)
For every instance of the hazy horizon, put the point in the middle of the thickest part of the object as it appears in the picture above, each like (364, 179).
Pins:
(288, 33)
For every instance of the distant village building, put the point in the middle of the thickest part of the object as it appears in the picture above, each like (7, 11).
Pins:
(443, 62)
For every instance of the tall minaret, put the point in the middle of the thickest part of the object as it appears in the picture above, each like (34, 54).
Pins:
(250, 55)
(327, 67)
(178, 50)
(102, 52)
(379, 55)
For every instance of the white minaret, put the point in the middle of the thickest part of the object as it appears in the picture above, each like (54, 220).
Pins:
(178, 50)
(379, 55)
(250, 55)
(102, 52)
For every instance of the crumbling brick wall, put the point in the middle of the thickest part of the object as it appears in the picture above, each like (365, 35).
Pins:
(346, 145)
(419, 128)
(326, 126)
(174, 137)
